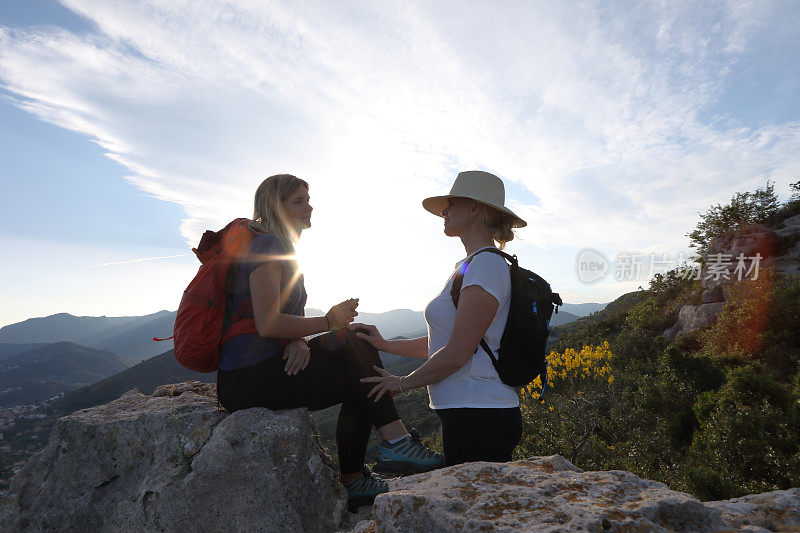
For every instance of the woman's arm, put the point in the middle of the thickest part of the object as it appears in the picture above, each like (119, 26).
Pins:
(406, 347)
(265, 292)
(476, 310)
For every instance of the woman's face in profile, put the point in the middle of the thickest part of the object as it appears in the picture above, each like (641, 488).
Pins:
(457, 216)
(297, 209)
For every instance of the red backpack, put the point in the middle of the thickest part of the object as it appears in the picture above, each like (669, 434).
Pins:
(204, 322)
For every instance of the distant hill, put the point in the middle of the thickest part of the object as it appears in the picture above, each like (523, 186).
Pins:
(563, 317)
(582, 309)
(134, 340)
(60, 327)
(395, 323)
(619, 306)
(38, 374)
(145, 376)
(611, 310)
(613, 313)
(128, 336)
(160, 370)
(399, 365)
(11, 349)
(132, 336)
(410, 324)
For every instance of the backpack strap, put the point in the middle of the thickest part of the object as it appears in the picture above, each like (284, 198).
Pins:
(233, 316)
(458, 280)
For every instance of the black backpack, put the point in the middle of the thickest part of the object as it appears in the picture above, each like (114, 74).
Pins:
(521, 356)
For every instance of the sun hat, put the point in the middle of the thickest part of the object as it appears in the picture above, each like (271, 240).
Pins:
(476, 185)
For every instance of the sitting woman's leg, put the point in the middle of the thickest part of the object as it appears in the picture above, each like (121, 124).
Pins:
(337, 364)
(322, 384)
(359, 358)
(353, 428)
(400, 452)
(470, 434)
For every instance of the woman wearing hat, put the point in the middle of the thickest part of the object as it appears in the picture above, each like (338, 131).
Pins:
(479, 414)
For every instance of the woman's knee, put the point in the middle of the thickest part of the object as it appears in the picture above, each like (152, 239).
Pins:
(360, 348)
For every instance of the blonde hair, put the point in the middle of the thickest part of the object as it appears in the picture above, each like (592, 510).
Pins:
(268, 215)
(498, 223)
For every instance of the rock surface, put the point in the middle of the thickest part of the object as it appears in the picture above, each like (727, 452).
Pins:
(789, 263)
(551, 494)
(542, 494)
(692, 317)
(730, 259)
(173, 462)
(774, 511)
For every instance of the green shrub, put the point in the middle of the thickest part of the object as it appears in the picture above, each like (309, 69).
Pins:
(760, 322)
(748, 437)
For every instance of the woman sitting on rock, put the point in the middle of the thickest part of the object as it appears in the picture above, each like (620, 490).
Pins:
(280, 368)
(479, 414)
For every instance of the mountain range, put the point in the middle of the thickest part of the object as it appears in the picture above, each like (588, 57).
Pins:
(164, 368)
(130, 337)
(43, 357)
(45, 371)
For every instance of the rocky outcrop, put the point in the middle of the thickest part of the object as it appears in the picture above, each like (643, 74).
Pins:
(692, 317)
(551, 494)
(730, 259)
(789, 263)
(774, 511)
(174, 462)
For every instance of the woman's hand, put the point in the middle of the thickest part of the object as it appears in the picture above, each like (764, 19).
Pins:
(369, 333)
(297, 355)
(341, 314)
(386, 384)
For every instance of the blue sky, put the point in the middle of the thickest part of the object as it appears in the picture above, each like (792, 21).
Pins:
(128, 128)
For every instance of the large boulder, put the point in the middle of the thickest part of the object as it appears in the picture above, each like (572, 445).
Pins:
(540, 494)
(731, 257)
(175, 462)
(551, 494)
(789, 262)
(692, 317)
(778, 510)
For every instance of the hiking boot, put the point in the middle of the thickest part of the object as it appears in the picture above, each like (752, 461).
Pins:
(408, 456)
(362, 491)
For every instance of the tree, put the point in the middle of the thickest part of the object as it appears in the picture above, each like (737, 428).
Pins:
(744, 210)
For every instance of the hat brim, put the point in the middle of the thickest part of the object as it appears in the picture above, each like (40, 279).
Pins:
(436, 204)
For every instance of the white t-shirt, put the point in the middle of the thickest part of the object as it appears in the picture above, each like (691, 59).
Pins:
(476, 384)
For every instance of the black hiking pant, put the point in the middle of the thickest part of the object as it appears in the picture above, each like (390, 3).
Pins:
(338, 361)
(479, 434)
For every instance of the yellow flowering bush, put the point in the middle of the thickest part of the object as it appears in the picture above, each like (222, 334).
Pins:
(567, 420)
(590, 364)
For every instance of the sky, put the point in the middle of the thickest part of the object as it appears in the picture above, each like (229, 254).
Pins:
(127, 128)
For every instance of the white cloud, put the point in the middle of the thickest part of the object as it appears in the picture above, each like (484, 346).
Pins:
(594, 107)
